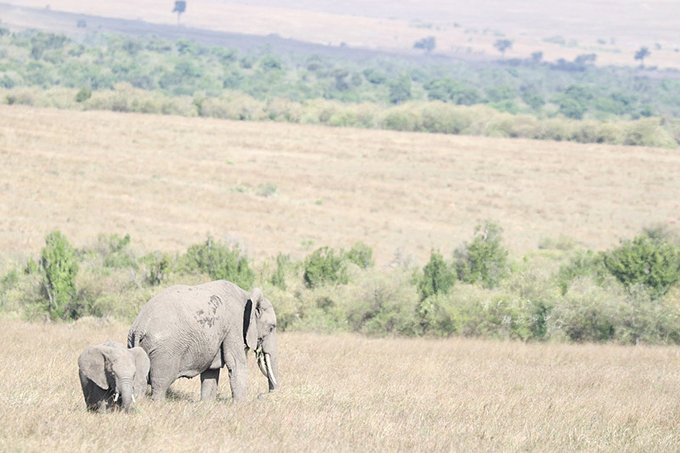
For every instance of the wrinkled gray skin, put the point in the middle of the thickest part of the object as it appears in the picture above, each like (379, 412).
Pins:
(112, 375)
(191, 330)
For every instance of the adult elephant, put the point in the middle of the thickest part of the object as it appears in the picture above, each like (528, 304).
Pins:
(191, 330)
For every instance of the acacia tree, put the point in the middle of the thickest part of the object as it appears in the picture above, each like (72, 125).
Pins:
(641, 54)
(427, 44)
(502, 45)
(180, 7)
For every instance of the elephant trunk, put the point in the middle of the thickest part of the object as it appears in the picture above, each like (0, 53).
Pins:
(126, 395)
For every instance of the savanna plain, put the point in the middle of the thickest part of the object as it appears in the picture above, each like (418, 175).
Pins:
(167, 181)
(351, 393)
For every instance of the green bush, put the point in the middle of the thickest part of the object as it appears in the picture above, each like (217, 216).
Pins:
(9, 280)
(84, 94)
(382, 303)
(646, 320)
(324, 266)
(158, 265)
(219, 261)
(401, 119)
(484, 259)
(361, 255)
(437, 277)
(400, 89)
(584, 263)
(471, 310)
(278, 278)
(648, 132)
(555, 294)
(587, 313)
(443, 118)
(648, 261)
(59, 266)
(115, 251)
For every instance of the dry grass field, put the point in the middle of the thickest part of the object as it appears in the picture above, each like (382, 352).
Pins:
(169, 181)
(349, 393)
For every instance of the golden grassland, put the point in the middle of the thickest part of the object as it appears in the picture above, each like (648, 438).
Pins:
(168, 181)
(351, 393)
(280, 187)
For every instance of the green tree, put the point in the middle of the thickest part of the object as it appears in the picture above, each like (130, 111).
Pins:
(484, 259)
(641, 54)
(60, 268)
(427, 44)
(115, 251)
(500, 93)
(450, 90)
(278, 278)
(584, 263)
(400, 89)
(502, 45)
(324, 266)
(158, 266)
(374, 76)
(361, 255)
(437, 277)
(220, 262)
(84, 94)
(532, 98)
(270, 63)
(574, 101)
(180, 7)
(571, 108)
(585, 59)
(652, 262)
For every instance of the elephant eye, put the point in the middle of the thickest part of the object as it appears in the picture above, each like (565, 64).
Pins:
(271, 329)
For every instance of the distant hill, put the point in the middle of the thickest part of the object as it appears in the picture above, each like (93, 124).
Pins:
(613, 30)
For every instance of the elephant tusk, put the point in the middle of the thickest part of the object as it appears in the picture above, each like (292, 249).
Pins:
(260, 363)
(270, 373)
(115, 397)
(133, 398)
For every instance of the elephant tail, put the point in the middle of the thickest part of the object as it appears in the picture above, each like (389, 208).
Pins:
(134, 339)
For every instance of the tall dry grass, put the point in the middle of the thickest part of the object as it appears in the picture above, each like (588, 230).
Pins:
(167, 181)
(350, 393)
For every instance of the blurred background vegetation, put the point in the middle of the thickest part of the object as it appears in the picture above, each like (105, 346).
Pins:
(564, 100)
(560, 292)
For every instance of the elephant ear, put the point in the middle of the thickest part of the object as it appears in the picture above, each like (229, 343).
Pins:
(142, 366)
(92, 364)
(251, 312)
(142, 363)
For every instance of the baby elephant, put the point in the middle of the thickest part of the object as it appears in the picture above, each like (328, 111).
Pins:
(112, 375)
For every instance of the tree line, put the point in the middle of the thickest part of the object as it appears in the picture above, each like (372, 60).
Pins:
(561, 292)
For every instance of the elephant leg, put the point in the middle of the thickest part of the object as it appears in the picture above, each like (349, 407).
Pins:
(238, 379)
(95, 397)
(159, 388)
(209, 381)
(164, 371)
